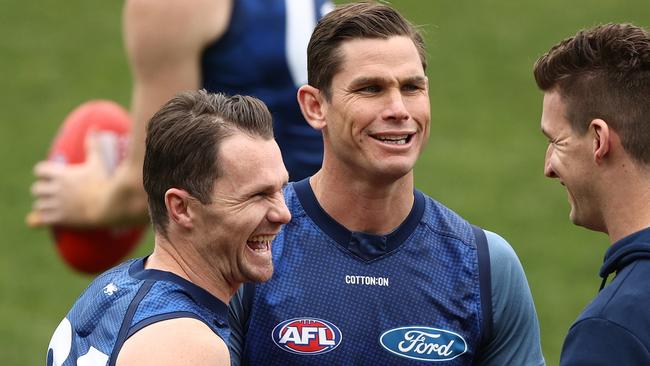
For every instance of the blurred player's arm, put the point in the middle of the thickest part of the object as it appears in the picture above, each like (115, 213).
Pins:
(181, 341)
(164, 41)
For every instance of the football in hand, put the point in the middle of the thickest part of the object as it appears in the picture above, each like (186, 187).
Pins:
(94, 250)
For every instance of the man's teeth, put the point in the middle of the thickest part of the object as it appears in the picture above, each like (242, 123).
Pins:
(260, 243)
(262, 238)
(397, 140)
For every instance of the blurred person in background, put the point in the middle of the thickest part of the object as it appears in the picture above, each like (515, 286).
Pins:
(249, 47)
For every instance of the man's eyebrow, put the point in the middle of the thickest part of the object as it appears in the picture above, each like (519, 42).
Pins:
(420, 80)
(365, 80)
(369, 80)
(266, 187)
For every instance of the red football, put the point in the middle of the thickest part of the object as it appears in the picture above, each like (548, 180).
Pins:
(94, 250)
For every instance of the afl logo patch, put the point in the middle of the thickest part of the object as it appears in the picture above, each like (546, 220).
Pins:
(307, 336)
(424, 343)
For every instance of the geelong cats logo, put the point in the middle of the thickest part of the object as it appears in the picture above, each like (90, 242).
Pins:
(306, 336)
(424, 343)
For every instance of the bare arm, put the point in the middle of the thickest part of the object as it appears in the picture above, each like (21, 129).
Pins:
(164, 40)
(182, 341)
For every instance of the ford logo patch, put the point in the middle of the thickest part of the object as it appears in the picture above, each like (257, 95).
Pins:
(306, 336)
(423, 343)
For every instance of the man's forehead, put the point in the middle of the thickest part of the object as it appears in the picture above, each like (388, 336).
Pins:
(371, 48)
(380, 59)
(239, 144)
(553, 112)
(252, 160)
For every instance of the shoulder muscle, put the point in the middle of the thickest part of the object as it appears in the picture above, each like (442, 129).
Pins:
(180, 341)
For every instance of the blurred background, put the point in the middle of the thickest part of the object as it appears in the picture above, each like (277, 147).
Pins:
(484, 157)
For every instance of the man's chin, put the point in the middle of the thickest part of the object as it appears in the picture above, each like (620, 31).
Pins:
(572, 216)
(259, 274)
(392, 172)
(582, 221)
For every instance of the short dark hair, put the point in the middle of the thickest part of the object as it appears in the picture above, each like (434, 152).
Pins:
(353, 21)
(183, 140)
(604, 72)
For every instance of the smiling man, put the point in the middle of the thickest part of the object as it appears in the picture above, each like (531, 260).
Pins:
(371, 271)
(596, 116)
(214, 176)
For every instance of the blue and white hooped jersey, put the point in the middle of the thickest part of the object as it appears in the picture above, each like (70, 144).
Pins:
(344, 298)
(263, 53)
(122, 301)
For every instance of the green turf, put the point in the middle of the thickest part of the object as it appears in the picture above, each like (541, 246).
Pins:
(484, 158)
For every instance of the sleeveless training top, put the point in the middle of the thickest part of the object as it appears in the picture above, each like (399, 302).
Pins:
(348, 298)
(122, 301)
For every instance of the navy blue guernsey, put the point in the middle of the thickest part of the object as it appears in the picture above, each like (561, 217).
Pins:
(344, 298)
(263, 53)
(122, 301)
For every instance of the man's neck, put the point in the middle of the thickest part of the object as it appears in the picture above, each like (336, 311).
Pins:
(627, 204)
(362, 205)
(165, 257)
(627, 217)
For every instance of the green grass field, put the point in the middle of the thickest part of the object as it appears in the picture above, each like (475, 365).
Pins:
(484, 158)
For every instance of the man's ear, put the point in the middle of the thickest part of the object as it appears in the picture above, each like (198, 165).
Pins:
(312, 106)
(602, 139)
(178, 207)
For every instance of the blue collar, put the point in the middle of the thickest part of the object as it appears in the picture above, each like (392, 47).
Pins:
(197, 293)
(626, 250)
(363, 245)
